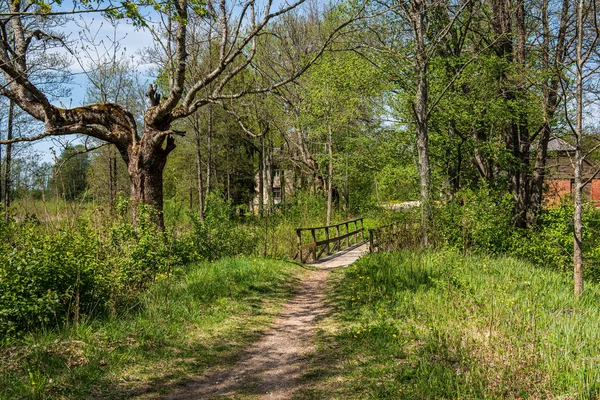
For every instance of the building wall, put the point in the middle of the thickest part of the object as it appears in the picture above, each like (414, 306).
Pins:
(558, 188)
(595, 192)
(559, 181)
(555, 190)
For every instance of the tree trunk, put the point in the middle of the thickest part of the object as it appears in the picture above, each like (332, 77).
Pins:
(199, 167)
(145, 166)
(7, 169)
(550, 102)
(209, 150)
(268, 169)
(261, 176)
(228, 177)
(283, 183)
(517, 136)
(519, 130)
(420, 110)
(539, 174)
(112, 178)
(454, 165)
(578, 225)
(1, 183)
(330, 180)
(578, 203)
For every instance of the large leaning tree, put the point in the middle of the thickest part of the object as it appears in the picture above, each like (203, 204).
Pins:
(234, 27)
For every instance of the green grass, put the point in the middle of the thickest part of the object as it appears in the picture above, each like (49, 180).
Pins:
(440, 325)
(180, 327)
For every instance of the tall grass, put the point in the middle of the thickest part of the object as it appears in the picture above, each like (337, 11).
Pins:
(180, 327)
(440, 325)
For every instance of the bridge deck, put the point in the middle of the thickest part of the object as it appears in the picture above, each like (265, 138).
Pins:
(342, 258)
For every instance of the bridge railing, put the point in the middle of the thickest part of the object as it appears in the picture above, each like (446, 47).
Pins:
(325, 240)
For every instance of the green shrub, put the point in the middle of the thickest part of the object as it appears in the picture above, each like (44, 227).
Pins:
(481, 221)
(46, 276)
(551, 243)
(477, 220)
(220, 234)
(51, 276)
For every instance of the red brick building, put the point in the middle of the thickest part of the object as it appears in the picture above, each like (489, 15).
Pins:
(560, 174)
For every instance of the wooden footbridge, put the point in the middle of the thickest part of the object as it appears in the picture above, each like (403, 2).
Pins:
(321, 244)
(320, 241)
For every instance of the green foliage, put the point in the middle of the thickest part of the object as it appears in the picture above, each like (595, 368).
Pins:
(43, 273)
(220, 234)
(52, 273)
(70, 172)
(479, 220)
(50, 276)
(551, 243)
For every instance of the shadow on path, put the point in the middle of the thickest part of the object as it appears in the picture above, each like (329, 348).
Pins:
(273, 366)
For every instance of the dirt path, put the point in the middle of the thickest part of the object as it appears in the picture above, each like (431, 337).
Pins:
(272, 367)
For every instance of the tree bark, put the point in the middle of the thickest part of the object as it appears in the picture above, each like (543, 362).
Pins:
(145, 166)
(209, 150)
(330, 180)
(261, 176)
(454, 165)
(8, 161)
(1, 183)
(421, 117)
(520, 128)
(199, 168)
(268, 169)
(112, 178)
(578, 203)
(578, 225)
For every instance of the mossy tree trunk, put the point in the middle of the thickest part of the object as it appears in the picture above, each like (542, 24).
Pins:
(145, 166)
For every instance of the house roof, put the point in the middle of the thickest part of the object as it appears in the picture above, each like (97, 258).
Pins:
(557, 144)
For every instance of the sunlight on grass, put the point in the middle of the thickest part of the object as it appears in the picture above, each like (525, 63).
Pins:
(181, 327)
(440, 325)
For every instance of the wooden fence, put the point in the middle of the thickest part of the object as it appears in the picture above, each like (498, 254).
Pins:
(322, 243)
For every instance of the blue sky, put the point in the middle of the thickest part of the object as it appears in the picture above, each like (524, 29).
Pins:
(132, 41)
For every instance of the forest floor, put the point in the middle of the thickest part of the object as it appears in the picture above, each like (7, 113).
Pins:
(272, 367)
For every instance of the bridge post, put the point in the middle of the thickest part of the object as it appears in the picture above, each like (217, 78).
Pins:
(314, 239)
(347, 236)
(337, 242)
(299, 240)
(362, 226)
(327, 239)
